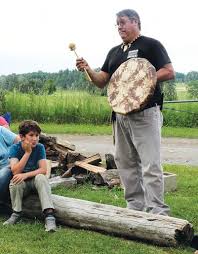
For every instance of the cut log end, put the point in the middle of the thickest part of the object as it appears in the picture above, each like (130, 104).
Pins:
(185, 235)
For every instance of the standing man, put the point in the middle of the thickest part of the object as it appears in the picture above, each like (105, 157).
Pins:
(137, 135)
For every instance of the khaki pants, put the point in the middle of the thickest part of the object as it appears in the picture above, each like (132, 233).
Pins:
(38, 183)
(137, 156)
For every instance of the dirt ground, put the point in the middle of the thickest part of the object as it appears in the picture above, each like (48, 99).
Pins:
(174, 150)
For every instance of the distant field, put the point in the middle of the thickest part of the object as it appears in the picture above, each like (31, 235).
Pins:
(181, 87)
(182, 93)
(84, 108)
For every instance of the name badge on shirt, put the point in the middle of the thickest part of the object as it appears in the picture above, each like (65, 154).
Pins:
(133, 54)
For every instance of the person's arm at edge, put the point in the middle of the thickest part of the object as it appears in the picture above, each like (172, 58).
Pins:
(17, 139)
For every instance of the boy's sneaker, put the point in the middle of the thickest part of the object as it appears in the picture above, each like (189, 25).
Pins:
(50, 224)
(14, 218)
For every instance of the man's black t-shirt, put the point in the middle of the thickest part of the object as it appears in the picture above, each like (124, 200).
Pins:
(142, 47)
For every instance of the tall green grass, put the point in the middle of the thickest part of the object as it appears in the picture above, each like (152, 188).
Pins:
(82, 107)
(61, 107)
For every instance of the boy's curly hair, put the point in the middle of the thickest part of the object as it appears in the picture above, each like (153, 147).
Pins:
(29, 125)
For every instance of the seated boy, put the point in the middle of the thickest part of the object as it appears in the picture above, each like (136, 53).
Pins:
(28, 165)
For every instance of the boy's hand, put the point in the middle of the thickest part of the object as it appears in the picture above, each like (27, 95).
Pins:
(26, 146)
(18, 178)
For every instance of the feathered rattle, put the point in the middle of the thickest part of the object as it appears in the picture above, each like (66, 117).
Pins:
(72, 47)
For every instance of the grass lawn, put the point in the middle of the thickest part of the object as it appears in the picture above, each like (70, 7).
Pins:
(29, 237)
(91, 129)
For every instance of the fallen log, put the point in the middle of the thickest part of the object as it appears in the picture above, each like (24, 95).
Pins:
(157, 229)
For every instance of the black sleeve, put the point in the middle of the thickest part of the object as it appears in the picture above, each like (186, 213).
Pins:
(159, 55)
(105, 66)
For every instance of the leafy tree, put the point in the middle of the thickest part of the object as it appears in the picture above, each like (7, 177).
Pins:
(180, 77)
(193, 89)
(2, 81)
(193, 75)
(49, 87)
(169, 90)
(10, 82)
(34, 85)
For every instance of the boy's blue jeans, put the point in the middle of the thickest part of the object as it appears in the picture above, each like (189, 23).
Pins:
(5, 177)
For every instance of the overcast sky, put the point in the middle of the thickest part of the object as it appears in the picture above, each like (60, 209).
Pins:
(35, 33)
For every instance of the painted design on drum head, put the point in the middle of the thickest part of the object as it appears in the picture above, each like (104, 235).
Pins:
(132, 85)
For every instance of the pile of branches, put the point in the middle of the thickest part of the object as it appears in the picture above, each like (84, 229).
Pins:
(66, 162)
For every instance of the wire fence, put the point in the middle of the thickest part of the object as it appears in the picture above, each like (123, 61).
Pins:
(178, 102)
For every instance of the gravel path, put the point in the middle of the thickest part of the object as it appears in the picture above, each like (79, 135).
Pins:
(174, 150)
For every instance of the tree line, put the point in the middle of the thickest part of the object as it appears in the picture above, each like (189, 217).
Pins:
(44, 82)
